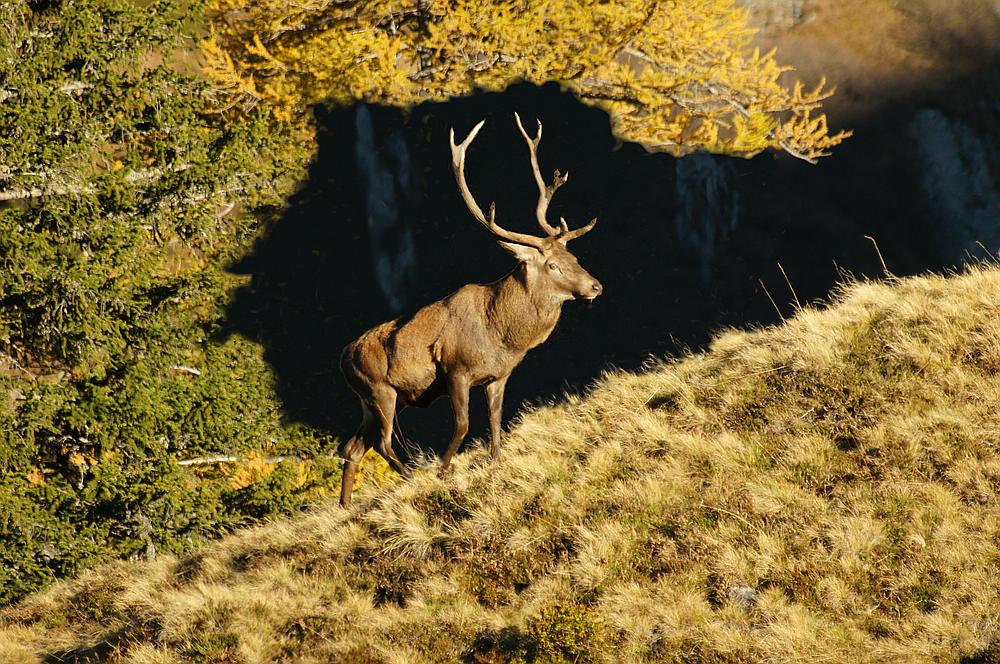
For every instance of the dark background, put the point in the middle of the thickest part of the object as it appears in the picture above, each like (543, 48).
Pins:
(669, 286)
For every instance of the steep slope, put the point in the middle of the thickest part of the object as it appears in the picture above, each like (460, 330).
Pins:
(822, 490)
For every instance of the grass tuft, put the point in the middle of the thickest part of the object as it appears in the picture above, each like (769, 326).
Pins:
(825, 490)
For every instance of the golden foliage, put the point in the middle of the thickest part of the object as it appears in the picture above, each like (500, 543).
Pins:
(375, 470)
(36, 476)
(249, 471)
(674, 76)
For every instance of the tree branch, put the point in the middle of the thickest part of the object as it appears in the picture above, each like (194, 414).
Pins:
(233, 458)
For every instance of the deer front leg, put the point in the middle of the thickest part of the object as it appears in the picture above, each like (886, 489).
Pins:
(458, 390)
(494, 401)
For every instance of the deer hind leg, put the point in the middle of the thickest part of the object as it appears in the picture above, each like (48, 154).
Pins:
(385, 405)
(352, 451)
(458, 390)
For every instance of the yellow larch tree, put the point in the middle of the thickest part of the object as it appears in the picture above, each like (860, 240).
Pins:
(674, 75)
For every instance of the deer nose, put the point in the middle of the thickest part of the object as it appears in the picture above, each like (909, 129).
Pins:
(596, 287)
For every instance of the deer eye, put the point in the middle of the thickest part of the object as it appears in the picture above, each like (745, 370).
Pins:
(553, 266)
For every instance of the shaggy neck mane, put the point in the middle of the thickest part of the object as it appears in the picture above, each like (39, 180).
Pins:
(522, 316)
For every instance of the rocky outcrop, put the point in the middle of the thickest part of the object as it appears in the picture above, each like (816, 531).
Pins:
(775, 15)
(707, 206)
(958, 182)
(387, 173)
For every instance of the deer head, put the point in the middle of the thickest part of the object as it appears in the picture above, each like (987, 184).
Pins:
(548, 265)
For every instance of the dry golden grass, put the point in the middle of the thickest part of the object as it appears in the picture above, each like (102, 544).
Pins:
(826, 490)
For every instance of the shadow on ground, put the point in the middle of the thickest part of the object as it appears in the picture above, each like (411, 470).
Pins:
(681, 250)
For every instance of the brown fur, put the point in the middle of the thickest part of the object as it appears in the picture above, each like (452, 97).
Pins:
(475, 336)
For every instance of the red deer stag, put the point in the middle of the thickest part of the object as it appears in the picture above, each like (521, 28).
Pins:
(475, 336)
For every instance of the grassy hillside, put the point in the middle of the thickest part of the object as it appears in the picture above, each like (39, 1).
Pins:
(821, 491)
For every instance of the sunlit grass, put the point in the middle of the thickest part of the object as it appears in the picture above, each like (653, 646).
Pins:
(826, 490)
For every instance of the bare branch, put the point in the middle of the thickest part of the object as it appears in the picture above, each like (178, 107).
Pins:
(38, 192)
(234, 184)
(795, 153)
(141, 176)
(233, 458)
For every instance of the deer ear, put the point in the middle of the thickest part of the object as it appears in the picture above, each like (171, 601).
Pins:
(521, 252)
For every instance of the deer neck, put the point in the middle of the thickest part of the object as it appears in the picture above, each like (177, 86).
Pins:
(523, 316)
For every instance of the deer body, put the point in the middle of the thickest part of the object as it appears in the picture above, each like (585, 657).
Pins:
(483, 331)
(475, 336)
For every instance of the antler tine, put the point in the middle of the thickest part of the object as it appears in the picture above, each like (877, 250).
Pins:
(568, 235)
(458, 165)
(544, 191)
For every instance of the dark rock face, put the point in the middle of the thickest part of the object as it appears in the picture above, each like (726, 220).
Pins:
(958, 182)
(706, 207)
(384, 166)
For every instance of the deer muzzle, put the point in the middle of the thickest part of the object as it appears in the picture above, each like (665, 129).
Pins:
(593, 291)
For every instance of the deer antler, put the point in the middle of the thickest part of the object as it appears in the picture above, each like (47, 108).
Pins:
(566, 235)
(545, 192)
(458, 165)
